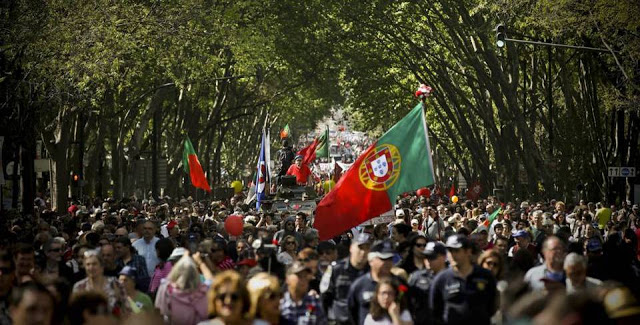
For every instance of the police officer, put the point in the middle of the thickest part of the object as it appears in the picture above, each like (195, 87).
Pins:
(435, 254)
(339, 276)
(362, 290)
(464, 293)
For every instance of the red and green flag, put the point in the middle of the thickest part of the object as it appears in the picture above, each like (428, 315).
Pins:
(492, 217)
(286, 132)
(323, 145)
(400, 161)
(192, 166)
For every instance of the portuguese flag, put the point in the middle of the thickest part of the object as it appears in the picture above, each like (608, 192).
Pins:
(192, 166)
(286, 132)
(323, 144)
(398, 162)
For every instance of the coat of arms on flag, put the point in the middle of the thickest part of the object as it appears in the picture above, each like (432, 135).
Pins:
(379, 170)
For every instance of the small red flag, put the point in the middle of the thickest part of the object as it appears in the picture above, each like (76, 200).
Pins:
(308, 153)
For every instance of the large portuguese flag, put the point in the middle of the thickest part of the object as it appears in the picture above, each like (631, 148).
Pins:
(400, 161)
(192, 167)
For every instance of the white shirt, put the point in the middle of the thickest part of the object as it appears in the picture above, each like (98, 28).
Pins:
(405, 316)
(589, 283)
(148, 251)
(434, 229)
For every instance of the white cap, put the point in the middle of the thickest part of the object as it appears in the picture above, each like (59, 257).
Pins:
(399, 213)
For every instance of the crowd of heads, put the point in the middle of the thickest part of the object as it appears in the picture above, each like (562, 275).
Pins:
(174, 260)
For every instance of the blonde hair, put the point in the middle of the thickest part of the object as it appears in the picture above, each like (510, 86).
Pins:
(260, 284)
(184, 274)
(233, 279)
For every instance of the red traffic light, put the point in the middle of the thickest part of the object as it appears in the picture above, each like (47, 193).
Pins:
(75, 177)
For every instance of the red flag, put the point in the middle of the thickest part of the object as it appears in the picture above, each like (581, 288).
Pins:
(308, 153)
(452, 191)
(192, 166)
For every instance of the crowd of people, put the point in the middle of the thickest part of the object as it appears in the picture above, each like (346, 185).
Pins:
(172, 261)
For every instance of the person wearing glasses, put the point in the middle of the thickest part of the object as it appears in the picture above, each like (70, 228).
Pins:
(493, 261)
(109, 286)
(264, 291)
(414, 260)
(289, 247)
(229, 301)
(54, 268)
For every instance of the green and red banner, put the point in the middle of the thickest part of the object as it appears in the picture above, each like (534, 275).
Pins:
(400, 161)
(192, 166)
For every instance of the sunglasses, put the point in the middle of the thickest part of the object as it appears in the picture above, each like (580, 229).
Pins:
(291, 242)
(232, 296)
(491, 263)
(421, 245)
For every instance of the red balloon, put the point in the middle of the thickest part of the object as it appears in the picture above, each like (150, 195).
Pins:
(233, 225)
(424, 192)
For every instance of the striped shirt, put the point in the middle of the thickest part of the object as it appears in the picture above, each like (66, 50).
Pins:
(226, 264)
(308, 311)
(162, 271)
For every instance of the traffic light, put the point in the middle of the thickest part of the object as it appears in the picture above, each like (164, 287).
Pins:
(75, 179)
(501, 36)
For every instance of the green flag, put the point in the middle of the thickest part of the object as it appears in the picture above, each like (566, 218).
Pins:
(323, 145)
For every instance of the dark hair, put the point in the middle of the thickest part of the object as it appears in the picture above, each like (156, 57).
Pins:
(325, 247)
(403, 229)
(376, 311)
(308, 254)
(164, 247)
(18, 293)
(6, 257)
(23, 249)
(92, 301)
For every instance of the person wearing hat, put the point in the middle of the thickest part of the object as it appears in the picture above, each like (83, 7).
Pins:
(435, 258)
(464, 293)
(298, 305)
(300, 170)
(363, 288)
(138, 301)
(523, 241)
(554, 252)
(339, 276)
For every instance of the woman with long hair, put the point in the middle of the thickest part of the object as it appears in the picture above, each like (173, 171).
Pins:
(264, 291)
(182, 297)
(493, 261)
(164, 248)
(389, 305)
(415, 260)
(96, 281)
(229, 301)
(289, 247)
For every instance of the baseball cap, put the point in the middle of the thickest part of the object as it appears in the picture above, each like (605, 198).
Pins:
(619, 303)
(298, 157)
(399, 213)
(382, 249)
(129, 271)
(433, 249)
(362, 239)
(297, 267)
(458, 241)
(171, 224)
(521, 233)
